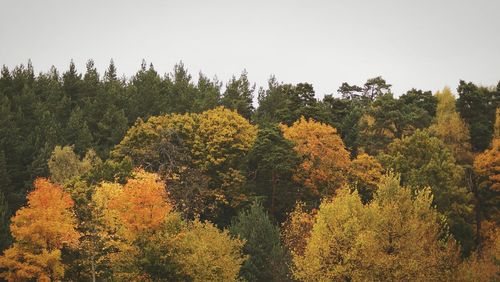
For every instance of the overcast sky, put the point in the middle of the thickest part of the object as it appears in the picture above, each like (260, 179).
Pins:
(426, 44)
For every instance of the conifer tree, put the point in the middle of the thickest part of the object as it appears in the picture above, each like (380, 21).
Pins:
(267, 257)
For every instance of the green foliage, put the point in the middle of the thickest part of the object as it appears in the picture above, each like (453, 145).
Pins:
(477, 106)
(4, 223)
(270, 167)
(388, 118)
(268, 259)
(214, 161)
(239, 95)
(286, 103)
(424, 161)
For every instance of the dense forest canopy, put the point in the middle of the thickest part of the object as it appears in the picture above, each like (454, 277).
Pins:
(164, 178)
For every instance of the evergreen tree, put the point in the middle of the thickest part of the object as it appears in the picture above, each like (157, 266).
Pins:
(271, 164)
(239, 95)
(146, 94)
(4, 223)
(72, 84)
(209, 95)
(477, 106)
(181, 90)
(267, 257)
(78, 132)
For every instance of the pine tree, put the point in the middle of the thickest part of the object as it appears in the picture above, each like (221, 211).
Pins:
(267, 257)
(271, 164)
(239, 95)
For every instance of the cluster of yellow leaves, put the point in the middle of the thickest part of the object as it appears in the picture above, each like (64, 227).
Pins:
(41, 230)
(215, 141)
(142, 139)
(141, 210)
(65, 165)
(125, 212)
(297, 229)
(325, 159)
(365, 175)
(222, 135)
(208, 254)
(450, 128)
(487, 167)
(396, 237)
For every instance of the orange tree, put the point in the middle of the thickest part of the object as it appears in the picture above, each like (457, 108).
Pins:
(325, 160)
(41, 230)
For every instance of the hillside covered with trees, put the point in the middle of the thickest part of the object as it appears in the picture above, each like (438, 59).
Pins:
(167, 178)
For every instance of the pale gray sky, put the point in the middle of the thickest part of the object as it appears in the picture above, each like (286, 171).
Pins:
(425, 44)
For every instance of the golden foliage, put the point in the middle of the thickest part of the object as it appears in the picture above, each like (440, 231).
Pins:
(142, 204)
(396, 237)
(325, 159)
(297, 229)
(487, 165)
(212, 143)
(365, 174)
(450, 128)
(41, 230)
(222, 137)
(484, 267)
(208, 254)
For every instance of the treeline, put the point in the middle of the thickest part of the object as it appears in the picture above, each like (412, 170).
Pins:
(159, 177)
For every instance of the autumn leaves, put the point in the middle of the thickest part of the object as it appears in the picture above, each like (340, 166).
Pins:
(383, 217)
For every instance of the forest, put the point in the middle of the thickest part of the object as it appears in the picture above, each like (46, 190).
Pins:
(169, 178)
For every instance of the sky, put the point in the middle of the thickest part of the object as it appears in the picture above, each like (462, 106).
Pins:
(425, 44)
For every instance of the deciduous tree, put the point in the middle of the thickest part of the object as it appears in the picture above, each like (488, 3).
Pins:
(396, 237)
(450, 128)
(325, 161)
(41, 230)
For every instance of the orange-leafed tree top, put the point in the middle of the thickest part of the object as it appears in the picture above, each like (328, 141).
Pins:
(487, 164)
(325, 159)
(143, 203)
(47, 221)
(40, 230)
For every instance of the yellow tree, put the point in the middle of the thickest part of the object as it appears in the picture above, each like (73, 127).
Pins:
(450, 128)
(296, 230)
(364, 176)
(396, 237)
(41, 230)
(150, 242)
(127, 212)
(65, 165)
(207, 254)
(222, 139)
(325, 159)
(198, 155)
